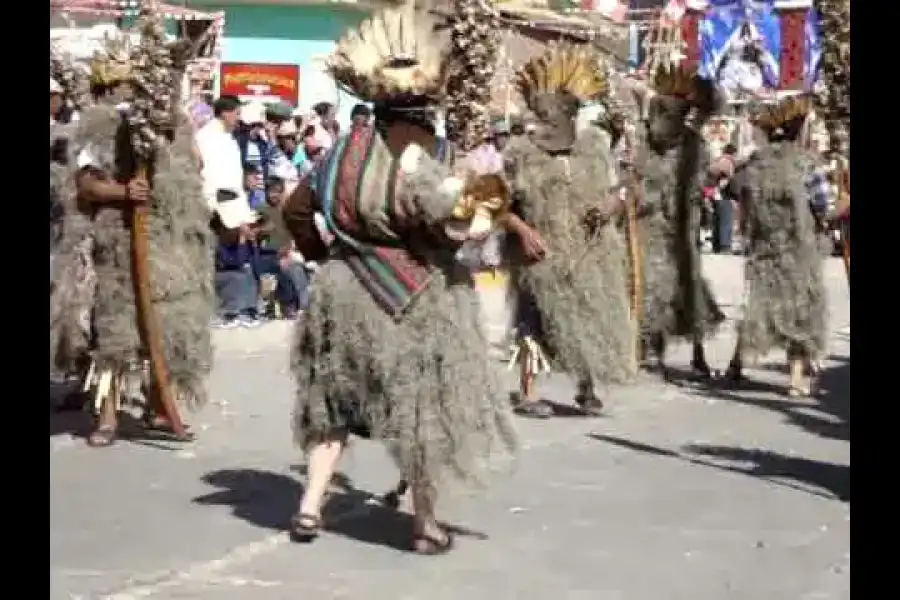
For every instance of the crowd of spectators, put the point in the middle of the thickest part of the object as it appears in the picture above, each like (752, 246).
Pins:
(253, 157)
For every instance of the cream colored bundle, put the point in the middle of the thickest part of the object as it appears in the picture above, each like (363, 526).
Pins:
(391, 54)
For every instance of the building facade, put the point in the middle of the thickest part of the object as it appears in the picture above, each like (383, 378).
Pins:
(274, 48)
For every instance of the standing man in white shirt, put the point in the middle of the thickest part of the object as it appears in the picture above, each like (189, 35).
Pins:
(223, 188)
(222, 168)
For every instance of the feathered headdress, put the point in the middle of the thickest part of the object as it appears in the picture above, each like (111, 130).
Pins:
(775, 118)
(391, 55)
(564, 68)
(112, 64)
(675, 81)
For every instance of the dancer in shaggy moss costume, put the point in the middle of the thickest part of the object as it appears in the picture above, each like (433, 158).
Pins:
(785, 303)
(70, 310)
(678, 301)
(574, 303)
(180, 246)
(391, 346)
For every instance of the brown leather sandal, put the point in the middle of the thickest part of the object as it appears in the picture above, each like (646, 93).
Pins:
(305, 528)
(103, 436)
(159, 424)
(392, 498)
(426, 545)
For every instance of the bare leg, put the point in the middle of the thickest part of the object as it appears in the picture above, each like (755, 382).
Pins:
(529, 404)
(322, 461)
(428, 536)
(797, 361)
(104, 434)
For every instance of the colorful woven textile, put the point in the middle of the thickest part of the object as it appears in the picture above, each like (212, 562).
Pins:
(355, 184)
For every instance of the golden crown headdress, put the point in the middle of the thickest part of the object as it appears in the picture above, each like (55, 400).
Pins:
(772, 117)
(676, 81)
(577, 70)
(391, 54)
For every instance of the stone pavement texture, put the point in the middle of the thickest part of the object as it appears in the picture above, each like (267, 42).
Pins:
(680, 492)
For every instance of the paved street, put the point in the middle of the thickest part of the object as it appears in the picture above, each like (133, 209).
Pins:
(679, 493)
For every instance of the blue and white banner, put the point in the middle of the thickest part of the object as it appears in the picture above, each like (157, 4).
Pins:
(812, 34)
(721, 29)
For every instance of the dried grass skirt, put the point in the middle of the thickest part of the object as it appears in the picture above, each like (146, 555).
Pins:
(424, 385)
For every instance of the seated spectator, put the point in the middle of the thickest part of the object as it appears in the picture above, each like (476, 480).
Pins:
(287, 141)
(254, 186)
(316, 143)
(251, 136)
(278, 256)
(327, 114)
(235, 282)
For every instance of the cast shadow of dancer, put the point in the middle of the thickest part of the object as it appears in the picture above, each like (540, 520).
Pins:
(832, 400)
(771, 467)
(268, 500)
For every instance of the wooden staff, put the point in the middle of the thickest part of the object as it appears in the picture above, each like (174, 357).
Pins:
(152, 106)
(636, 259)
(148, 322)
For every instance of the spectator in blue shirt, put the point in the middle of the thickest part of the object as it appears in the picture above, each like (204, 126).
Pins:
(251, 138)
(235, 282)
(253, 185)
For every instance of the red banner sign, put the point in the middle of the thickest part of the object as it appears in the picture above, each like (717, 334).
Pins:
(264, 81)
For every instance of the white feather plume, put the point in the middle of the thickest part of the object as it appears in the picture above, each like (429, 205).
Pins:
(391, 54)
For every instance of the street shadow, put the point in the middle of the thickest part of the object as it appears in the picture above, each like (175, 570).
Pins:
(269, 500)
(831, 400)
(74, 423)
(770, 467)
(67, 414)
(765, 464)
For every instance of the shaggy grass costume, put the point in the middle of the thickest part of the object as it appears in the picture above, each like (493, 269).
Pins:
(785, 305)
(678, 300)
(580, 289)
(180, 256)
(420, 380)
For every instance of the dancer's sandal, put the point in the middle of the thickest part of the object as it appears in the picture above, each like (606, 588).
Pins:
(590, 404)
(155, 423)
(392, 498)
(700, 369)
(733, 376)
(103, 436)
(534, 410)
(305, 528)
(426, 545)
(800, 391)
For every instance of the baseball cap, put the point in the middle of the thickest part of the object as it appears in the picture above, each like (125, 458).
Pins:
(280, 110)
